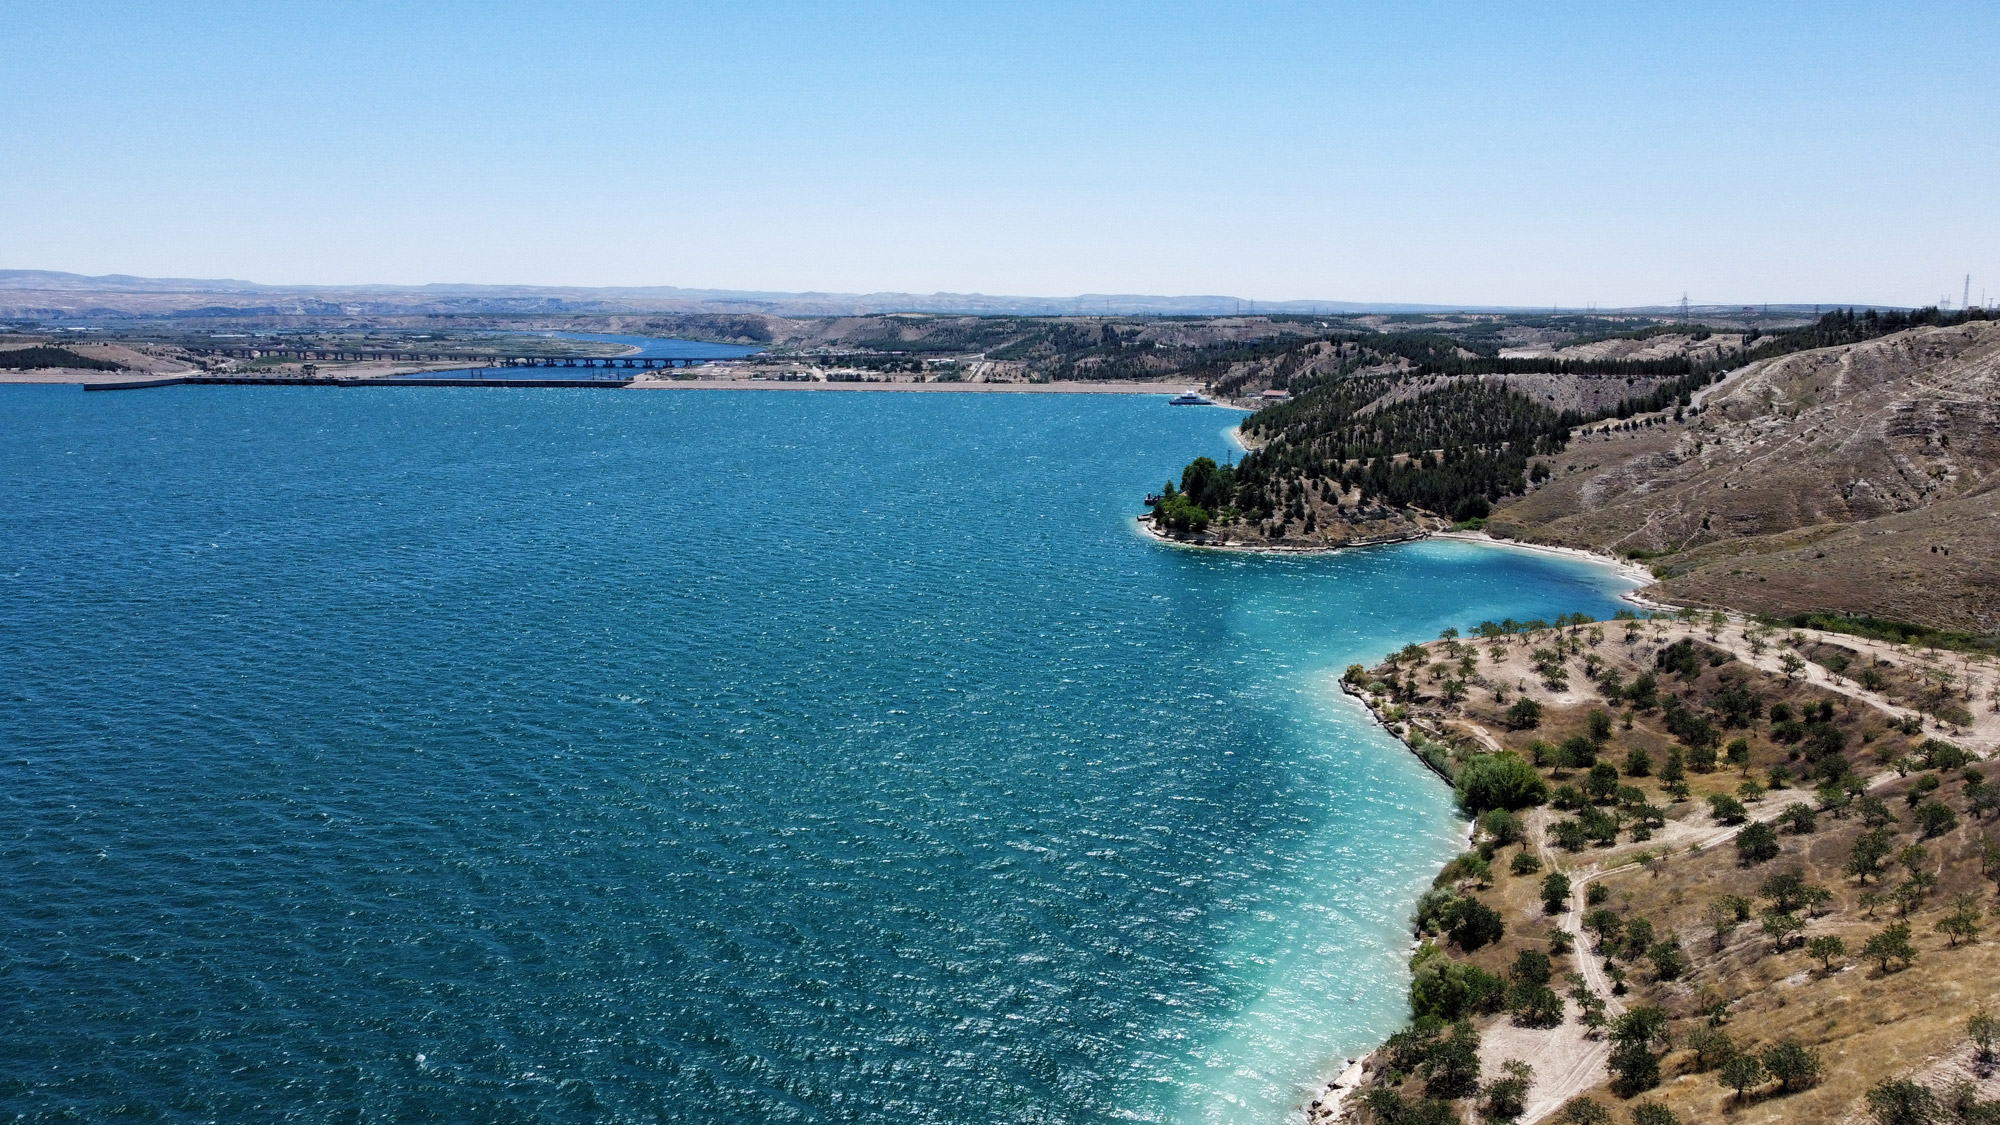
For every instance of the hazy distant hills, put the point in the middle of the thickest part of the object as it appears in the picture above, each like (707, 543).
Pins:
(47, 295)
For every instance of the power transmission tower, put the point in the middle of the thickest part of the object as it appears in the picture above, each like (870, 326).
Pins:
(1684, 308)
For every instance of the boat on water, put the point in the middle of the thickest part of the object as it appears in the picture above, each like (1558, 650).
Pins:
(1190, 399)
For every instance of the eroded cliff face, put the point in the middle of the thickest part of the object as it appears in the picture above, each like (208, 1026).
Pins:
(1858, 479)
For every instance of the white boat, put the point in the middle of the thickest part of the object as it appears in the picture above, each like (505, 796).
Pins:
(1190, 399)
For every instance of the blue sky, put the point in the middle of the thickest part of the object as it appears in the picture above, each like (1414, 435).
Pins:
(1523, 154)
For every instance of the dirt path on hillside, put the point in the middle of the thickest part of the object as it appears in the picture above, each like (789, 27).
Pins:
(1567, 1060)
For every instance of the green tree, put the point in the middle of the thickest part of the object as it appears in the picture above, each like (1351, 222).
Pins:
(1606, 923)
(1670, 961)
(1794, 1066)
(1602, 784)
(1598, 726)
(1506, 1099)
(1756, 843)
(1499, 781)
(1638, 763)
(1501, 826)
(1800, 818)
(1727, 809)
(1786, 889)
(1525, 714)
(1824, 949)
(1555, 892)
(1935, 818)
(1892, 944)
(1962, 924)
(1711, 1046)
(1865, 856)
(1453, 1064)
(1638, 937)
(1635, 1036)
(1475, 924)
(1783, 926)
(1742, 1072)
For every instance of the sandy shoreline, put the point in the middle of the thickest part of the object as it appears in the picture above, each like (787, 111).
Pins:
(1623, 567)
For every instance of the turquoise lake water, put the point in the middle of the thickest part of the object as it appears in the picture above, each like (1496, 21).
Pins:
(541, 755)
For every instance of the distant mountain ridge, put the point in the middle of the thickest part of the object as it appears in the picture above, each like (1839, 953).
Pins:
(52, 294)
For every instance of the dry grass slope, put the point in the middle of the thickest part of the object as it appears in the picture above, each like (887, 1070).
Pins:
(1670, 861)
(1857, 479)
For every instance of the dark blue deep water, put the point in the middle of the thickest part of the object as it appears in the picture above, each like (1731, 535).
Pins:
(542, 755)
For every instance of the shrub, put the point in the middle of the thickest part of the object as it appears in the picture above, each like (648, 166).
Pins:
(1983, 1029)
(1583, 1111)
(1467, 865)
(1653, 1113)
(1902, 1102)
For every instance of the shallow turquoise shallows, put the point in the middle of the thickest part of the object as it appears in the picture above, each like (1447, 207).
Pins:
(544, 755)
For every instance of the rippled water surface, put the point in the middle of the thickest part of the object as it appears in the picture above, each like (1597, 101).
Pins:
(510, 755)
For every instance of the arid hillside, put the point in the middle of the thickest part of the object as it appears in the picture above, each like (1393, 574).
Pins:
(1713, 875)
(1858, 479)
